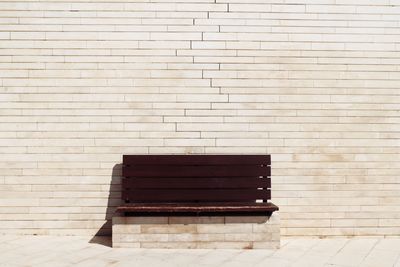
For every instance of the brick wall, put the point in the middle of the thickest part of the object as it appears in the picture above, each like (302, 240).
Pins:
(314, 83)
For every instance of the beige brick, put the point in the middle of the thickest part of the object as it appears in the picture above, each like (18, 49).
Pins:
(247, 219)
(195, 220)
(203, 237)
(175, 36)
(140, 220)
(168, 229)
(250, 8)
(251, 237)
(128, 238)
(224, 228)
(189, 142)
(127, 229)
(246, 142)
(266, 228)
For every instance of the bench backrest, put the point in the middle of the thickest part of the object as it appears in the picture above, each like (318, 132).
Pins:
(196, 178)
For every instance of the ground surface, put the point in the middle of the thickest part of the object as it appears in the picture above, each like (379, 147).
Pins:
(80, 251)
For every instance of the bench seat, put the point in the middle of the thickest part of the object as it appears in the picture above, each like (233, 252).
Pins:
(215, 207)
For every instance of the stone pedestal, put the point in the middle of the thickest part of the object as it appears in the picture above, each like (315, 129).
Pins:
(229, 232)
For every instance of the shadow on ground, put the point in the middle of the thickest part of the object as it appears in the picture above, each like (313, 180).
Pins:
(103, 235)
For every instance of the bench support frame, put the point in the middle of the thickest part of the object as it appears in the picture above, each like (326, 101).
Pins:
(197, 232)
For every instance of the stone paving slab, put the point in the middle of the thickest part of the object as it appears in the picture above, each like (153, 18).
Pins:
(59, 251)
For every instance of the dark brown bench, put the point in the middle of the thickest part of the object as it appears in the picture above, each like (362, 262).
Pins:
(199, 184)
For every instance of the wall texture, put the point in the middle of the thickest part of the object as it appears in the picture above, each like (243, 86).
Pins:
(315, 83)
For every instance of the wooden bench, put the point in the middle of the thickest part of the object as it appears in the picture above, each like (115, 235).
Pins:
(196, 184)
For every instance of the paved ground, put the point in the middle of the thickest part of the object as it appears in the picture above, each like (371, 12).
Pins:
(80, 251)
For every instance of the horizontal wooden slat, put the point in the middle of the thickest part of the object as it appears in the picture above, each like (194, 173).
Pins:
(206, 183)
(193, 195)
(198, 207)
(195, 171)
(197, 159)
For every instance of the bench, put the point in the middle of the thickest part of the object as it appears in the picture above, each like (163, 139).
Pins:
(183, 193)
(196, 184)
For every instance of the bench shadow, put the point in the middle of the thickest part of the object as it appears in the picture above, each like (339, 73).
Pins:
(103, 235)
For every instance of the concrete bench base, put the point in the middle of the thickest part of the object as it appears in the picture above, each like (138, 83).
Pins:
(229, 232)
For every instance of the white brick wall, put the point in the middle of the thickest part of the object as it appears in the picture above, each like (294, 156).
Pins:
(314, 83)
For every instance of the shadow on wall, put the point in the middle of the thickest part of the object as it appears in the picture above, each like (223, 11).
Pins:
(103, 235)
